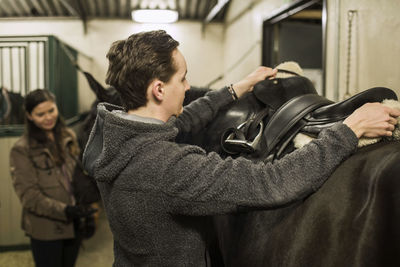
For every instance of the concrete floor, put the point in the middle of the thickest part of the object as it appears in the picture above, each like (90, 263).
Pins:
(97, 251)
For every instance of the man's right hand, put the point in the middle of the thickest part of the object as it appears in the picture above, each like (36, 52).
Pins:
(373, 120)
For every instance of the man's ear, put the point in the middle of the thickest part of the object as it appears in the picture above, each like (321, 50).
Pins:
(157, 89)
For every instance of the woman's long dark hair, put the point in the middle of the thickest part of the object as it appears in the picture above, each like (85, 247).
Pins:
(33, 132)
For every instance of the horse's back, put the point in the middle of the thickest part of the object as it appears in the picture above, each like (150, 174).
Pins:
(351, 221)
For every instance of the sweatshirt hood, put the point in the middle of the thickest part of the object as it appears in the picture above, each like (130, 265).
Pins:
(115, 140)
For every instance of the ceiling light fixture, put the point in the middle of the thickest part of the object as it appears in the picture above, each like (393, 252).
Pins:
(155, 15)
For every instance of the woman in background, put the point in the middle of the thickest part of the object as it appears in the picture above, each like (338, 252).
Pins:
(42, 162)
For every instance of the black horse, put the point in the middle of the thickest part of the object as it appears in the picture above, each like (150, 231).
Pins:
(351, 221)
(11, 111)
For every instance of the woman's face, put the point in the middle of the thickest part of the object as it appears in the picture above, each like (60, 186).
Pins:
(44, 115)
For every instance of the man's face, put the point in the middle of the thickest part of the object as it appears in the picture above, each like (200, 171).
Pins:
(176, 87)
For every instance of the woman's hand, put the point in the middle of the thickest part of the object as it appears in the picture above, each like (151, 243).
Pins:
(78, 211)
(373, 120)
(247, 84)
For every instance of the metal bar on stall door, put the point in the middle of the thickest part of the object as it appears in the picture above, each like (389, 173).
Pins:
(20, 69)
(11, 70)
(24, 70)
(37, 65)
(27, 70)
(1, 67)
(46, 58)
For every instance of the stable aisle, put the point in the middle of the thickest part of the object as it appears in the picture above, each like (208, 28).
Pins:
(97, 251)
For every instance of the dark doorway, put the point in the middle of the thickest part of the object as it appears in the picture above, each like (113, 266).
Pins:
(296, 33)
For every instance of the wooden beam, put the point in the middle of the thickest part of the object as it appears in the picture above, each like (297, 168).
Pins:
(58, 8)
(15, 8)
(91, 9)
(215, 10)
(49, 11)
(38, 7)
(25, 7)
(6, 9)
(70, 8)
(77, 8)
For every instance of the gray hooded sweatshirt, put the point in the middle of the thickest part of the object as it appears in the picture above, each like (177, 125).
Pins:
(157, 193)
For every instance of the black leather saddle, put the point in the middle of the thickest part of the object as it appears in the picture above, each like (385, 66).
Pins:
(292, 105)
(256, 108)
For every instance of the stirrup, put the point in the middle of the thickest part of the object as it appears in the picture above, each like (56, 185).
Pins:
(236, 146)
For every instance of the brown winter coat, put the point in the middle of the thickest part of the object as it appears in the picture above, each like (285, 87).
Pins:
(42, 188)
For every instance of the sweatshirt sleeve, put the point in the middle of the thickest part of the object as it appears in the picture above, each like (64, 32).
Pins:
(200, 112)
(200, 184)
(26, 185)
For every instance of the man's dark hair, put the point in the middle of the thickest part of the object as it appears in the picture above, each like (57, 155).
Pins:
(135, 62)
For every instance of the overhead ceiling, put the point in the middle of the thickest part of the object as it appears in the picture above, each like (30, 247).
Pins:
(196, 10)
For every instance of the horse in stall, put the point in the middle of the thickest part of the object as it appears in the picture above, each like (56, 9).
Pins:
(352, 220)
(11, 107)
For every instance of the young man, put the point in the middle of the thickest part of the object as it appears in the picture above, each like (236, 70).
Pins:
(156, 192)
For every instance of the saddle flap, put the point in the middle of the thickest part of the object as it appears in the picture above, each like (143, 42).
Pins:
(288, 115)
(274, 93)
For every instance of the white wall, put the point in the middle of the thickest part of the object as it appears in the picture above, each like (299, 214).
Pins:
(376, 27)
(376, 63)
(243, 34)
